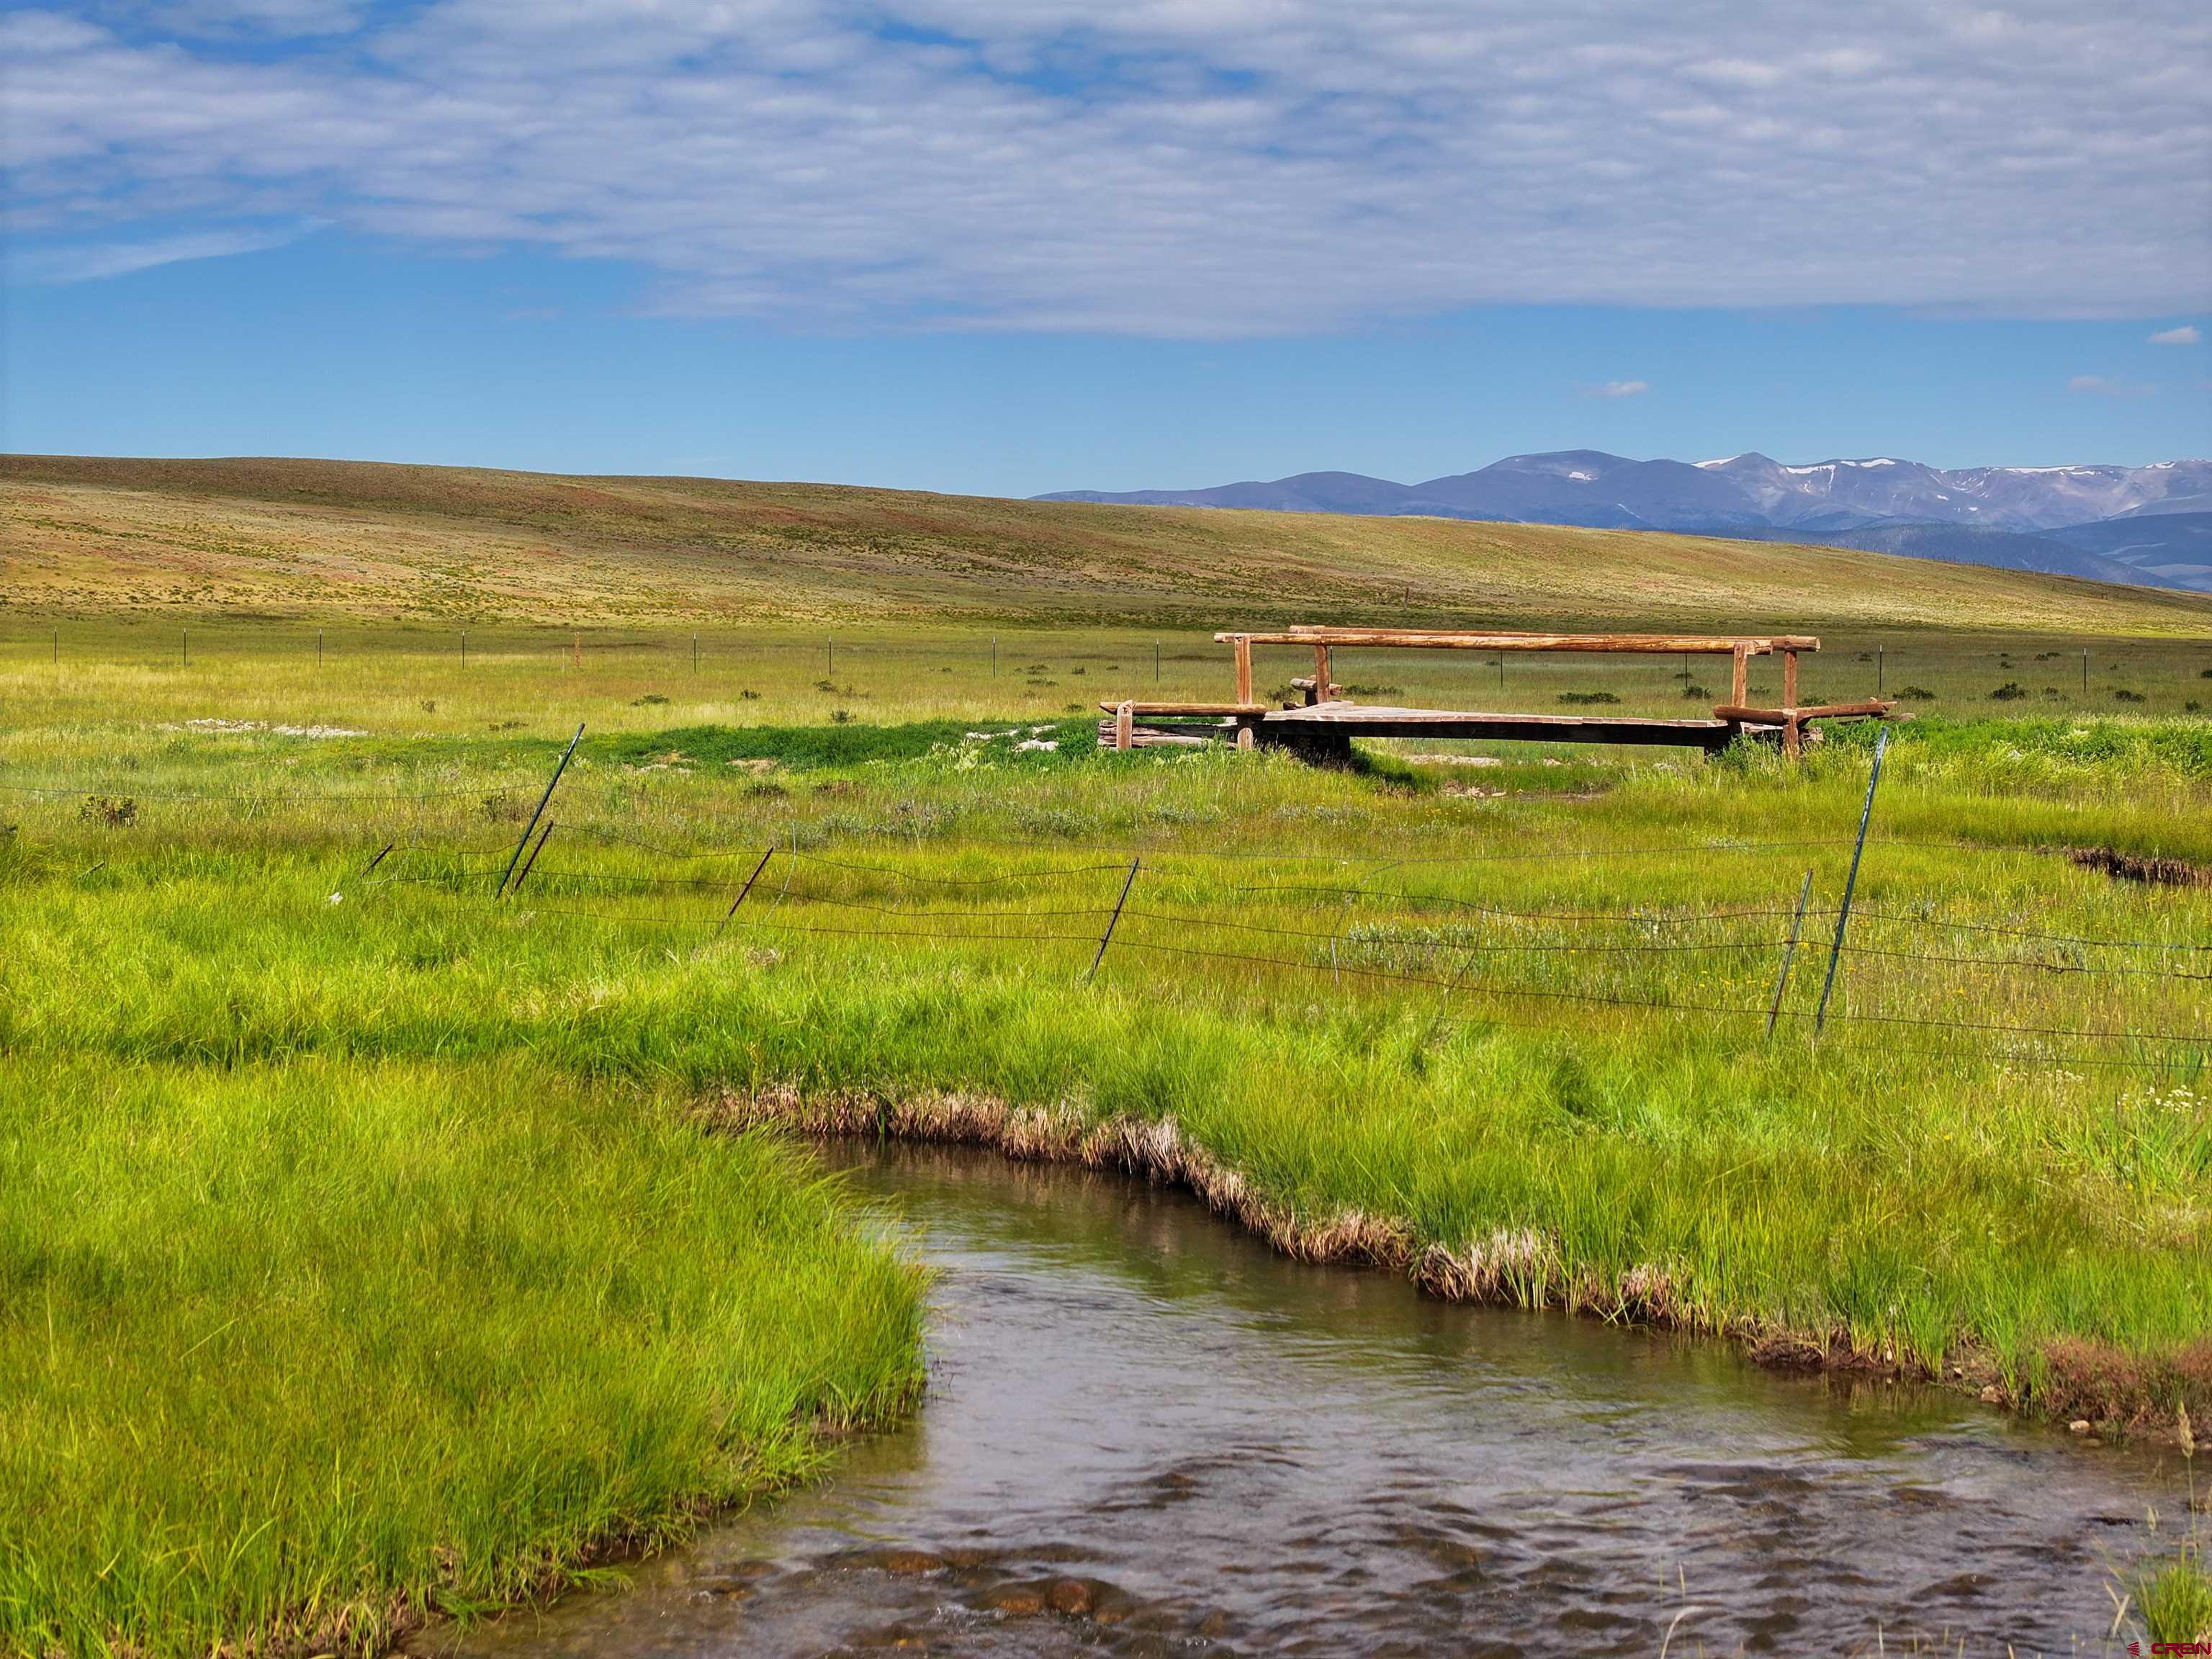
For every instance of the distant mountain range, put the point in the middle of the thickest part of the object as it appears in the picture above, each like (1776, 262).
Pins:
(2146, 524)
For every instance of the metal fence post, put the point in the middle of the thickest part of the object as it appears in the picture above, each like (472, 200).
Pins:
(530, 863)
(1114, 920)
(745, 890)
(1789, 952)
(1851, 884)
(526, 829)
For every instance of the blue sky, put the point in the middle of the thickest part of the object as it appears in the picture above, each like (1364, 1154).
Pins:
(1014, 245)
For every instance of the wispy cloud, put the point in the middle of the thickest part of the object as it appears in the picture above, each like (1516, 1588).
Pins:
(1617, 389)
(90, 261)
(2100, 386)
(2185, 335)
(1159, 167)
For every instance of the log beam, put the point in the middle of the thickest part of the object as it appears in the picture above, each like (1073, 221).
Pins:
(1708, 644)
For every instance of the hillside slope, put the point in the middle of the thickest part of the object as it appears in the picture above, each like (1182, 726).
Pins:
(97, 536)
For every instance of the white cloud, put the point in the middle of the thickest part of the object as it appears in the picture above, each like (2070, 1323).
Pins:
(1162, 166)
(88, 261)
(1617, 389)
(2185, 335)
(2101, 386)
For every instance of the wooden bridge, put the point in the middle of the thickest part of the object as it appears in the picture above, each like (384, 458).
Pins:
(1322, 728)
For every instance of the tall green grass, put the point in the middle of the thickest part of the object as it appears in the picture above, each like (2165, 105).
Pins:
(297, 1351)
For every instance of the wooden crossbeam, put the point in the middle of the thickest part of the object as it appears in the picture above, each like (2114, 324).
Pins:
(1869, 707)
(1140, 706)
(1708, 644)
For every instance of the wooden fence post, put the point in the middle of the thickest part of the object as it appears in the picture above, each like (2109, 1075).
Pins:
(1125, 735)
(1851, 884)
(1740, 677)
(1793, 729)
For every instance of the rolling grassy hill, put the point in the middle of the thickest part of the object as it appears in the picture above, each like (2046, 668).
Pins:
(90, 536)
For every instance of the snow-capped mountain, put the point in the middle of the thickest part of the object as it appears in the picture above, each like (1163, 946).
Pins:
(1878, 502)
(1996, 497)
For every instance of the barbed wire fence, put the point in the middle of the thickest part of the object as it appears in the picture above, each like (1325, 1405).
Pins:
(1251, 910)
(1717, 964)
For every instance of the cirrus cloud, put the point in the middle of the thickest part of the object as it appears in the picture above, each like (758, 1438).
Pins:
(2103, 385)
(1162, 166)
(2185, 335)
(1617, 389)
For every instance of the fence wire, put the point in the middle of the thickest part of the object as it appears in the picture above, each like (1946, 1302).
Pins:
(807, 902)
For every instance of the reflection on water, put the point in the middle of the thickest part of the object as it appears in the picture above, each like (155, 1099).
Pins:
(1147, 1434)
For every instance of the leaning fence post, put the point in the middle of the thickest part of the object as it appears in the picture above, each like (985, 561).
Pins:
(526, 829)
(1789, 952)
(1114, 920)
(530, 863)
(1851, 884)
(745, 890)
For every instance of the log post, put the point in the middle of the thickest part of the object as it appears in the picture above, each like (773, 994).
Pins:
(1789, 679)
(1124, 721)
(1740, 682)
(1243, 648)
(1323, 691)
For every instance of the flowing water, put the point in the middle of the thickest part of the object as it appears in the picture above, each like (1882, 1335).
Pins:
(1146, 1433)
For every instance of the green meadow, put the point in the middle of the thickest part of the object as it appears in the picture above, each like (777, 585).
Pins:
(378, 1246)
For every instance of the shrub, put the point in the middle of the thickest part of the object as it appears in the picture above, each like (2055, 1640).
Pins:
(2010, 692)
(116, 811)
(1587, 697)
(1915, 694)
(2123, 695)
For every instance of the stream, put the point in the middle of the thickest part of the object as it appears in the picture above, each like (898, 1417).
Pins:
(1147, 1433)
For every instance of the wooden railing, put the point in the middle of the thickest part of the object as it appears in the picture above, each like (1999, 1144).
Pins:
(1741, 647)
